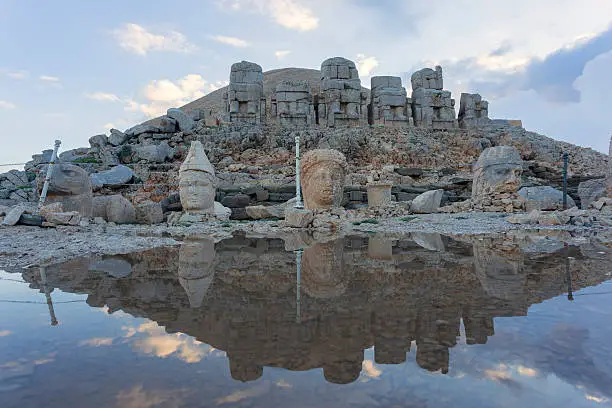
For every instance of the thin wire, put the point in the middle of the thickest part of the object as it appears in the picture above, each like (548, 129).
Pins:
(39, 303)
(12, 164)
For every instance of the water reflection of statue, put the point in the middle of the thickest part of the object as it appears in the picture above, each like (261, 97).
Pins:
(500, 273)
(196, 268)
(323, 174)
(323, 274)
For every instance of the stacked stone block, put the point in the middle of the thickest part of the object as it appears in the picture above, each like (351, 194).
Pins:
(245, 97)
(342, 103)
(432, 107)
(473, 111)
(292, 104)
(388, 104)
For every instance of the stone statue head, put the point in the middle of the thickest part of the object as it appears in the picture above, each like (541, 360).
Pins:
(197, 181)
(323, 174)
(66, 179)
(498, 170)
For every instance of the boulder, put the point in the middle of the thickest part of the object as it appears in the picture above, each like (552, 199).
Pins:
(236, 201)
(298, 218)
(166, 125)
(31, 219)
(428, 202)
(63, 218)
(73, 155)
(48, 209)
(117, 137)
(98, 141)
(148, 212)
(543, 198)
(184, 122)
(154, 153)
(262, 212)
(171, 203)
(221, 213)
(115, 177)
(590, 191)
(114, 208)
(12, 217)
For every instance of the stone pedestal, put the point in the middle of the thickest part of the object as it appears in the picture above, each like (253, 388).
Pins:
(379, 194)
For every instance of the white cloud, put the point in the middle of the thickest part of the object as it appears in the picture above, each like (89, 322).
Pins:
(48, 78)
(370, 370)
(97, 342)
(282, 54)
(103, 96)
(233, 41)
(18, 74)
(7, 105)
(164, 93)
(287, 13)
(137, 39)
(5, 333)
(365, 65)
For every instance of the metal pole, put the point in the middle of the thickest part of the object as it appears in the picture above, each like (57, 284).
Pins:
(45, 288)
(298, 259)
(298, 182)
(43, 194)
(565, 157)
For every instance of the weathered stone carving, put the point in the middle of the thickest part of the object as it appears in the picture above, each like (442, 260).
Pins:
(342, 102)
(70, 185)
(473, 111)
(292, 104)
(498, 170)
(323, 175)
(388, 102)
(245, 97)
(432, 107)
(196, 268)
(197, 181)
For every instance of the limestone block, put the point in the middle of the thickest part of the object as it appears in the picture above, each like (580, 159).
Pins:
(323, 175)
(149, 213)
(12, 217)
(379, 194)
(115, 177)
(427, 203)
(114, 208)
(220, 212)
(117, 137)
(98, 141)
(63, 218)
(298, 218)
(428, 78)
(70, 156)
(543, 198)
(154, 153)
(184, 122)
(498, 170)
(590, 191)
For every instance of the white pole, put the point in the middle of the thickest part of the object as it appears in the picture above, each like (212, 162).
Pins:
(43, 194)
(43, 281)
(298, 184)
(298, 259)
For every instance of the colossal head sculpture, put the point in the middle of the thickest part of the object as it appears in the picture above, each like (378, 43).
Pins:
(498, 170)
(342, 102)
(323, 174)
(70, 185)
(197, 181)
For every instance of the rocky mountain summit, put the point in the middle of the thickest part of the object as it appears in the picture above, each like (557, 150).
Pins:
(248, 132)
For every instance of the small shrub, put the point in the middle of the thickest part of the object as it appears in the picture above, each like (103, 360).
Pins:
(408, 219)
(370, 221)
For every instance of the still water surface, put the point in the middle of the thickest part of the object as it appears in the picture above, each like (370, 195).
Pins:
(422, 321)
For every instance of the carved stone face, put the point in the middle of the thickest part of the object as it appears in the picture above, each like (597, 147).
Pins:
(324, 186)
(197, 191)
(498, 170)
(67, 179)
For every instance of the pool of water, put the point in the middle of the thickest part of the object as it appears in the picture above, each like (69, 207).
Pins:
(421, 321)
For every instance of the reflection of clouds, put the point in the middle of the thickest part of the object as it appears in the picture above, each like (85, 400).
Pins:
(503, 375)
(152, 339)
(283, 384)
(253, 392)
(139, 398)
(97, 342)
(5, 333)
(526, 371)
(597, 399)
(370, 370)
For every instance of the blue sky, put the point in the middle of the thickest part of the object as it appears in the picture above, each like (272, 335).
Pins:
(71, 69)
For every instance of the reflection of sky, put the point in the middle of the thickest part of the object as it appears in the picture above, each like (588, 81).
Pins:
(557, 355)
